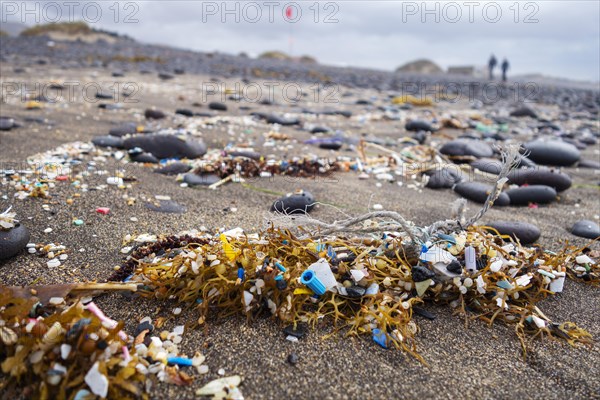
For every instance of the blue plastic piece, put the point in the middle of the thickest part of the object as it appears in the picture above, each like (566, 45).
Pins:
(182, 362)
(241, 273)
(281, 267)
(279, 277)
(330, 252)
(424, 249)
(309, 279)
(448, 238)
(380, 338)
(320, 247)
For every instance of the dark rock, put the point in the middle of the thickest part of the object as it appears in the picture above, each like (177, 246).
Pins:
(526, 233)
(13, 241)
(320, 129)
(362, 102)
(166, 206)
(467, 147)
(420, 137)
(144, 326)
(489, 165)
(164, 76)
(297, 203)
(108, 141)
(246, 154)
(122, 130)
(104, 96)
(420, 273)
(167, 146)
(552, 152)
(423, 313)
(524, 162)
(293, 359)
(174, 168)
(454, 267)
(540, 176)
(118, 74)
(331, 145)
(586, 229)
(179, 71)
(591, 164)
(417, 125)
(154, 114)
(531, 194)
(200, 180)
(299, 331)
(144, 158)
(217, 106)
(478, 192)
(6, 124)
(185, 112)
(274, 119)
(524, 111)
(578, 145)
(443, 178)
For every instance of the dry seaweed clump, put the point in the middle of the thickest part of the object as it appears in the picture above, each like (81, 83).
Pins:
(60, 351)
(367, 286)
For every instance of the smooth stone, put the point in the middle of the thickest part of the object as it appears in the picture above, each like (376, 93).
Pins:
(297, 203)
(467, 147)
(524, 162)
(320, 129)
(489, 165)
(420, 273)
(104, 96)
(526, 233)
(253, 155)
(154, 114)
(174, 168)
(167, 146)
(6, 124)
(478, 192)
(274, 119)
(144, 158)
(417, 125)
(13, 241)
(552, 152)
(108, 141)
(420, 311)
(524, 111)
(144, 326)
(200, 180)
(540, 176)
(333, 145)
(293, 359)
(299, 331)
(443, 178)
(167, 206)
(355, 291)
(122, 130)
(217, 106)
(531, 194)
(420, 137)
(586, 229)
(591, 164)
(579, 145)
(185, 112)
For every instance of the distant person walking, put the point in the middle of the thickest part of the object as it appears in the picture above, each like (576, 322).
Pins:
(505, 66)
(491, 65)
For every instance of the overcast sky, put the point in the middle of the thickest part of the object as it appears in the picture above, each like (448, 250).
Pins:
(551, 37)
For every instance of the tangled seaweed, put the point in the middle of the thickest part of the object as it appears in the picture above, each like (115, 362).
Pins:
(377, 282)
